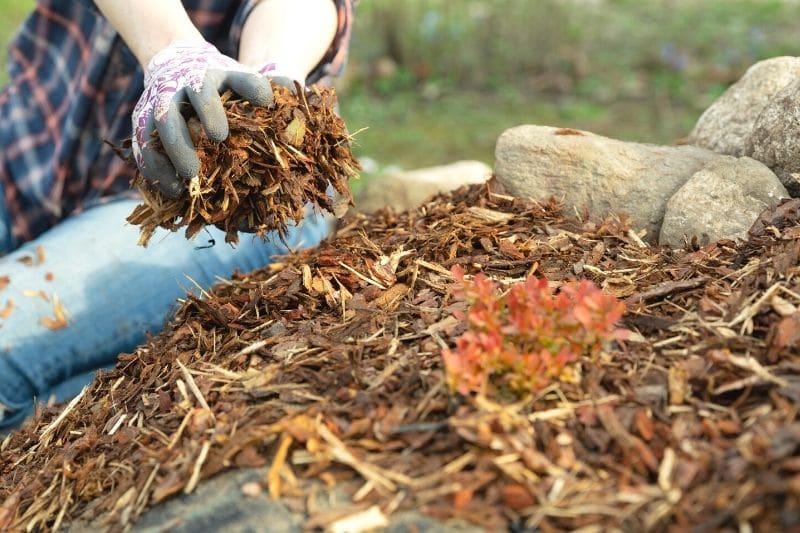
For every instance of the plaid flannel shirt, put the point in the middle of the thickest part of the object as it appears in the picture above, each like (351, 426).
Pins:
(73, 86)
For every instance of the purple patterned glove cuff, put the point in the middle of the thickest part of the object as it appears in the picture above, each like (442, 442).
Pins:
(180, 65)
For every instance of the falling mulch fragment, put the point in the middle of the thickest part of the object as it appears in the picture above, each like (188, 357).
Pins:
(5, 312)
(59, 320)
(40, 255)
(36, 294)
(5, 281)
(48, 276)
(26, 260)
(688, 423)
(274, 163)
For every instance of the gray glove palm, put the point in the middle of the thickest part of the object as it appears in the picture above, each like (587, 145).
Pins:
(194, 74)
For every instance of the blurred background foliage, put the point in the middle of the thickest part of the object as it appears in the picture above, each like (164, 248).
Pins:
(439, 80)
(434, 81)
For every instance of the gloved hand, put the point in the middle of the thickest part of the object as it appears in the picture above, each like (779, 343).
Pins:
(193, 73)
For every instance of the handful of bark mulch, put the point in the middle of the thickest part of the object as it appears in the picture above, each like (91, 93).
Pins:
(326, 369)
(274, 162)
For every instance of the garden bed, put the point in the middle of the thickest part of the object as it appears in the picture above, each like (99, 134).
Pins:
(327, 366)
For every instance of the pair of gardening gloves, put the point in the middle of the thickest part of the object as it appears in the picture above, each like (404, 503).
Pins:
(194, 74)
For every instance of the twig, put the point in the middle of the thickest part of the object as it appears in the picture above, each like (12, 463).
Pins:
(666, 288)
(198, 465)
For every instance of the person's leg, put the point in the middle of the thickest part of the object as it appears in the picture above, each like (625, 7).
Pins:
(6, 240)
(112, 292)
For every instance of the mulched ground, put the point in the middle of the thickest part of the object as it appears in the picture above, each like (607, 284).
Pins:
(327, 367)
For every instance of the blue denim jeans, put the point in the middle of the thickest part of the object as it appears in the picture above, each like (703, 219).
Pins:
(112, 290)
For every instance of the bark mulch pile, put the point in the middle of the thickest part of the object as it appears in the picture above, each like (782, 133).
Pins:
(274, 161)
(328, 367)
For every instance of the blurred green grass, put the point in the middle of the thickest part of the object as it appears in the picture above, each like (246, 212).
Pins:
(462, 71)
(12, 13)
(409, 131)
(433, 81)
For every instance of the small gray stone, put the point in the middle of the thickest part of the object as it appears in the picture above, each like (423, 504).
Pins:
(720, 201)
(775, 139)
(590, 171)
(408, 189)
(726, 125)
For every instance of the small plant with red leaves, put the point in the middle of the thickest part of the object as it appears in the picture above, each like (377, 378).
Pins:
(520, 340)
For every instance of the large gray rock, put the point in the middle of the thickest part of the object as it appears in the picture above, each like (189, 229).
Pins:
(727, 124)
(775, 138)
(595, 172)
(720, 201)
(407, 190)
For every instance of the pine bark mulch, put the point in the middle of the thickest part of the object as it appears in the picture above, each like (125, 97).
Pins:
(327, 366)
(274, 162)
